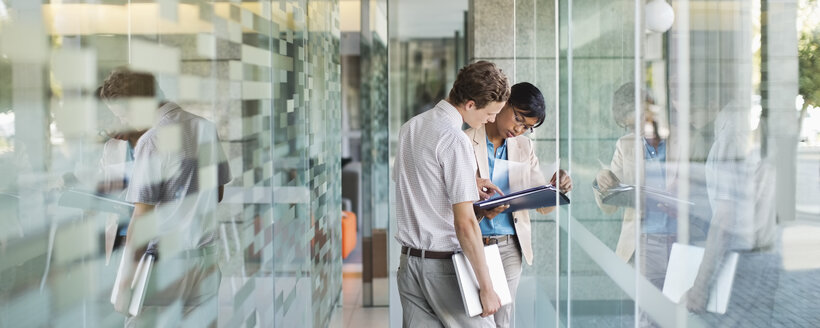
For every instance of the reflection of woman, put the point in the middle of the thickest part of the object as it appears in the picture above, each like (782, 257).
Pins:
(503, 140)
(658, 228)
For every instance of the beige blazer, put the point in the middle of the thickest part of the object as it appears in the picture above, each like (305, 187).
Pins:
(623, 166)
(519, 149)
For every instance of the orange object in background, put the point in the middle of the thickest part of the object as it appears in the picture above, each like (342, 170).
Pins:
(348, 233)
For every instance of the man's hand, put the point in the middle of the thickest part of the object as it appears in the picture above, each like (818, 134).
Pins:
(469, 237)
(695, 299)
(606, 179)
(489, 302)
(491, 213)
(562, 180)
(486, 188)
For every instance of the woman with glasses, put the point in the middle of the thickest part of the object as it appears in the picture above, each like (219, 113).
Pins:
(507, 157)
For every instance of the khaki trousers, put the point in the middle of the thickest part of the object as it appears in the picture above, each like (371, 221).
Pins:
(430, 295)
(182, 292)
(511, 258)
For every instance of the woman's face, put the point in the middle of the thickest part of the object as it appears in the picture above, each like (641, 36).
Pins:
(511, 122)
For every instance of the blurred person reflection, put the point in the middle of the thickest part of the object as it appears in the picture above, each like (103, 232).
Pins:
(115, 168)
(658, 226)
(178, 177)
(741, 192)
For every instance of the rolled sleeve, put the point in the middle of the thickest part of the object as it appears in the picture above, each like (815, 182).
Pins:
(727, 170)
(146, 181)
(458, 169)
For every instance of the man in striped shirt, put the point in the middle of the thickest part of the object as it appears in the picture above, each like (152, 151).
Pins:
(435, 176)
(178, 177)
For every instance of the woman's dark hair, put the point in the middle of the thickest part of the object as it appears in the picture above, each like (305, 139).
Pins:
(527, 98)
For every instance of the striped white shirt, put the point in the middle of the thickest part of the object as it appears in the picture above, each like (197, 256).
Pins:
(435, 168)
(178, 166)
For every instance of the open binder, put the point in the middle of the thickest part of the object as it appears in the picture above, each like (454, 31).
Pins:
(624, 195)
(527, 199)
(468, 284)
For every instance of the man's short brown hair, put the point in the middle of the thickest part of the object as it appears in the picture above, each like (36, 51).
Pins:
(124, 83)
(481, 82)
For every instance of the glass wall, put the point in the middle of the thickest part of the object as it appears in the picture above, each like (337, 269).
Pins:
(262, 75)
(687, 129)
(375, 147)
(425, 52)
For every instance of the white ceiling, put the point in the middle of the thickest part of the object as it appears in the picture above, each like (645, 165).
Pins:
(416, 18)
(430, 18)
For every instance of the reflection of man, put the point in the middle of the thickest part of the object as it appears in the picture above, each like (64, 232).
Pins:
(740, 187)
(116, 166)
(435, 190)
(178, 178)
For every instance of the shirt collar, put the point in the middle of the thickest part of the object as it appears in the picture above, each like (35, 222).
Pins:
(164, 110)
(490, 143)
(451, 113)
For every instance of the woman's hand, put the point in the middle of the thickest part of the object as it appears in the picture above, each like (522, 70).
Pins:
(562, 180)
(606, 179)
(486, 188)
(491, 213)
(545, 210)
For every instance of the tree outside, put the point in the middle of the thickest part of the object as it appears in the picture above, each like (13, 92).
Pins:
(808, 54)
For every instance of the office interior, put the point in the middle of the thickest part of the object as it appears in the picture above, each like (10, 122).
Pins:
(308, 96)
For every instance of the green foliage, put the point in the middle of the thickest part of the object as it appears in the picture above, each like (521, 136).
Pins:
(5, 86)
(808, 56)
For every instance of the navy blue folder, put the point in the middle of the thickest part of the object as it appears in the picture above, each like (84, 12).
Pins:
(542, 196)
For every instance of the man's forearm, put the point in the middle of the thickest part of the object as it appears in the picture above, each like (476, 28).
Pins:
(140, 210)
(469, 236)
(717, 245)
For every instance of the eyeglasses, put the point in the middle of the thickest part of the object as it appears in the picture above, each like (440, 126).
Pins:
(519, 121)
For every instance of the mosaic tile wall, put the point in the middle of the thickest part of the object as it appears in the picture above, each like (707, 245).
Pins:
(265, 72)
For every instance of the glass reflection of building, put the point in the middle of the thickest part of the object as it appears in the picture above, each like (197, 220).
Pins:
(275, 78)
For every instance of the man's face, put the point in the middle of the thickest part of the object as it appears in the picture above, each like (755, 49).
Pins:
(136, 113)
(511, 122)
(475, 117)
(119, 108)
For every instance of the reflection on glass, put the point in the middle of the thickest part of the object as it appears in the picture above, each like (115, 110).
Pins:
(174, 198)
(249, 90)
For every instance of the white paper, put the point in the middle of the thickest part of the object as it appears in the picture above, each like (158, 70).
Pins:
(468, 284)
(684, 262)
(140, 284)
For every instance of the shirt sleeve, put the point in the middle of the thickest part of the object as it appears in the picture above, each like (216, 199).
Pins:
(457, 163)
(146, 180)
(728, 174)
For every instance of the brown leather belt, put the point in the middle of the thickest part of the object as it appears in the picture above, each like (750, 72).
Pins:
(427, 254)
(491, 240)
